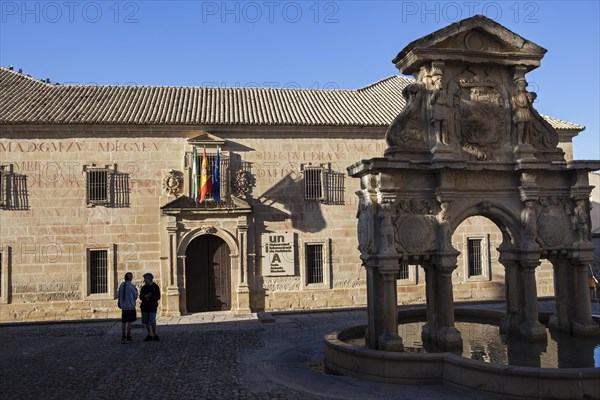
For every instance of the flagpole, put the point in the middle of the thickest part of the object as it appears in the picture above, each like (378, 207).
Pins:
(195, 175)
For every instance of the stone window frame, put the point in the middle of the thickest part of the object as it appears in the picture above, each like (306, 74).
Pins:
(413, 276)
(485, 258)
(5, 273)
(326, 256)
(111, 276)
(117, 186)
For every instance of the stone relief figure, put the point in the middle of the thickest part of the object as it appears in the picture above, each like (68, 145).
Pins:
(364, 222)
(529, 222)
(443, 218)
(439, 106)
(579, 220)
(406, 127)
(522, 114)
(386, 230)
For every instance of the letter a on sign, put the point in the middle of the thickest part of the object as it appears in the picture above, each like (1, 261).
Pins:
(275, 259)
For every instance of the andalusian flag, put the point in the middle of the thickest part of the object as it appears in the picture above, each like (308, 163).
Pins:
(216, 191)
(195, 176)
(205, 178)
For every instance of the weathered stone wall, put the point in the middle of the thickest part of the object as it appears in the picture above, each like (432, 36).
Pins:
(48, 275)
(49, 241)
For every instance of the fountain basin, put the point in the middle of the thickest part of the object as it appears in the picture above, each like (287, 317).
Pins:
(494, 380)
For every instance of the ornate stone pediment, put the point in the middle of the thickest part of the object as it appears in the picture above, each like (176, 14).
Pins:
(206, 139)
(470, 100)
(473, 40)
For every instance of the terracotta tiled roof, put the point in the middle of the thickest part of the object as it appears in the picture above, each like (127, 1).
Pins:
(560, 124)
(25, 100)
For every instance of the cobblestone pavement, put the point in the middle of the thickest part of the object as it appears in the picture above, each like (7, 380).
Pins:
(197, 358)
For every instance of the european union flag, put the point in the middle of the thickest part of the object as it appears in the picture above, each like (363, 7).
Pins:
(216, 194)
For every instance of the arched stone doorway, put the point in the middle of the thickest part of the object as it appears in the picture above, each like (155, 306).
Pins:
(208, 274)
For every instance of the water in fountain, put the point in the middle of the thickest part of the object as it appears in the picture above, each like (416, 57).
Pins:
(483, 341)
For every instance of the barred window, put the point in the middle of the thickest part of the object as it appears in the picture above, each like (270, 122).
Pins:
(314, 263)
(334, 187)
(403, 272)
(13, 189)
(98, 271)
(107, 186)
(475, 257)
(313, 183)
(322, 183)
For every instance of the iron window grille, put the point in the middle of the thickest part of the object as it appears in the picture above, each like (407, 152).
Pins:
(403, 272)
(98, 271)
(314, 263)
(322, 183)
(313, 183)
(107, 187)
(474, 251)
(13, 189)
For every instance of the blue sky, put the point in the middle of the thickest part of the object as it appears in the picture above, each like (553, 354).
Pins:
(308, 44)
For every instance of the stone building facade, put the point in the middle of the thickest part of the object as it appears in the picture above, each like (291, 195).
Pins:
(97, 181)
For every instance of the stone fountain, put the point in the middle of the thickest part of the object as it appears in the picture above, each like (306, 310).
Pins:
(469, 142)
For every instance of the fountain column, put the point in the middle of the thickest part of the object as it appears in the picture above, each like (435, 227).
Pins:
(510, 321)
(564, 304)
(529, 325)
(447, 335)
(428, 334)
(375, 291)
(584, 324)
(389, 340)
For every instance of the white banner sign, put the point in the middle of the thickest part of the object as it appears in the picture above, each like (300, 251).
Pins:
(279, 253)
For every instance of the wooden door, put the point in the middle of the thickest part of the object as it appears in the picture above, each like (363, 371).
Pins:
(208, 274)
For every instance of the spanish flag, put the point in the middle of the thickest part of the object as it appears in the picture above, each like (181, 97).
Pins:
(205, 178)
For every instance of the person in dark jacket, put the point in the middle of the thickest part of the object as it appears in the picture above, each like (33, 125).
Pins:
(150, 294)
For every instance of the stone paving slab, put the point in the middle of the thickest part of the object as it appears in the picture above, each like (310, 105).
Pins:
(217, 356)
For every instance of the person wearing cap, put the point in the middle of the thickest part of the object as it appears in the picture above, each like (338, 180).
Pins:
(150, 294)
